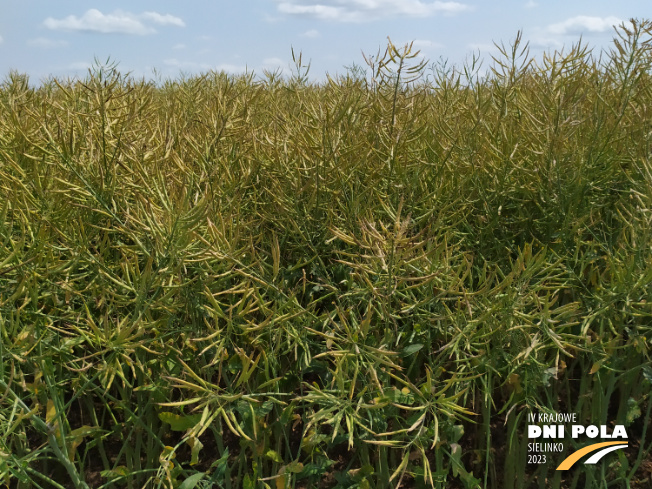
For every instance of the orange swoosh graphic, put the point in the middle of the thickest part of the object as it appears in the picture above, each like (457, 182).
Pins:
(574, 457)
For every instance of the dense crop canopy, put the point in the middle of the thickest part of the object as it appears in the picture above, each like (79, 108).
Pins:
(365, 282)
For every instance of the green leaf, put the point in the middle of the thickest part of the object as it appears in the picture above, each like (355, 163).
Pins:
(411, 349)
(195, 448)
(119, 471)
(263, 409)
(192, 481)
(294, 467)
(178, 422)
(220, 466)
(633, 411)
(83, 431)
(456, 459)
(50, 412)
(271, 454)
(76, 437)
(312, 469)
(361, 474)
(456, 433)
(248, 482)
(647, 374)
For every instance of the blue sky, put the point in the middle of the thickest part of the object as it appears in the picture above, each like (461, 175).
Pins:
(62, 38)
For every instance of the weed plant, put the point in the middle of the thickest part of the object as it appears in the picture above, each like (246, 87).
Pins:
(241, 282)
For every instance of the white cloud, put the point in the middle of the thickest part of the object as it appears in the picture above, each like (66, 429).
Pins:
(583, 24)
(194, 66)
(179, 46)
(312, 33)
(1, 40)
(118, 22)
(320, 11)
(166, 19)
(231, 68)
(95, 21)
(273, 62)
(187, 65)
(45, 43)
(364, 10)
(531, 4)
(546, 42)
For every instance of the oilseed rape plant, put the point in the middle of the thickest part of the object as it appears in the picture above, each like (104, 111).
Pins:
(380, 280)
